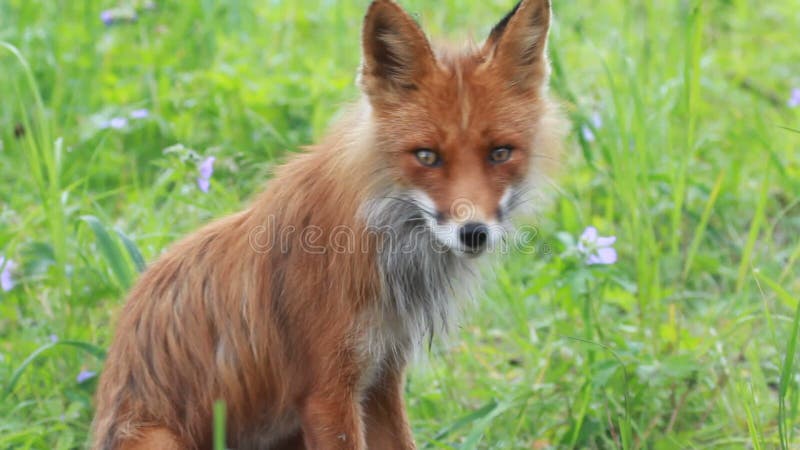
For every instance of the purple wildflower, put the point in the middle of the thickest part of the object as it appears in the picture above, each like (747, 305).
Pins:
(206, 169)
(597, 120)
(118, 123)
(118, 15)
(85, 375)
(107, 17)
(139, 114)
(588, 131)
(6, 280)
(53, 338)
(597, 249)
(794, 99)
(204, 184)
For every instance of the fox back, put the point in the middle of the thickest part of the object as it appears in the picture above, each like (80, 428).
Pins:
(302, 311)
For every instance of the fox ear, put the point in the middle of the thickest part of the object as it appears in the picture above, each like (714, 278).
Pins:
(397, 55)
(517, 44)
(499, 30)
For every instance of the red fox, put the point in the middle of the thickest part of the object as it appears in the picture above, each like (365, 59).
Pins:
(302, 312)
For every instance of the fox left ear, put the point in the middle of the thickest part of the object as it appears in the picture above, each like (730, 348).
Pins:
(397, 55)
(516, 47)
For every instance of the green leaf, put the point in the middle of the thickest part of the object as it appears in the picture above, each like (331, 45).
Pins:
(482, 423)
(133, 251)
(111, 251)
(462, 422)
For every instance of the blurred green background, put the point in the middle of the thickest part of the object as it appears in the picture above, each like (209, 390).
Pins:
(685, 146)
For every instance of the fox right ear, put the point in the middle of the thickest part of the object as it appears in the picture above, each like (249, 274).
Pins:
(517, 45)
(397, 55)
(499, 30)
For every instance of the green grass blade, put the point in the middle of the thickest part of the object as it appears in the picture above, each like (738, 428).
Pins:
(787, 367)
(753, 426)
(691, 85)
(793, 130)
(466, 420)
(133, 251)
(219, 425)
(481, 425)
(36, 354)
(752, 236)
(699, 231)
(111, 251)
(43, 155)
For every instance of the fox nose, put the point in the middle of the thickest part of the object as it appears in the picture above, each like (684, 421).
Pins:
(474, 235)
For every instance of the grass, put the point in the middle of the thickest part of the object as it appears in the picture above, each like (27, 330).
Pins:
(689, 341)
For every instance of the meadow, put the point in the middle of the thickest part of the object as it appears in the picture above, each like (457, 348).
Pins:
(685, 146)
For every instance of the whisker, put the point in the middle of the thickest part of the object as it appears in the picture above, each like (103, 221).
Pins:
(520, 197)
(545, 157)
(416, 205)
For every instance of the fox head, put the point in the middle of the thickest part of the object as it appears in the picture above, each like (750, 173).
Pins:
(465, 134)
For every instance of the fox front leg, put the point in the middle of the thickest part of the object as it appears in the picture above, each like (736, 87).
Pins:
(332, 421)
(385, 418)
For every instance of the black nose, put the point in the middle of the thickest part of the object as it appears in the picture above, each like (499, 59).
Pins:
(473, 235)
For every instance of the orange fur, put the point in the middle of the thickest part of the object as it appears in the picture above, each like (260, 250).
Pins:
(281, 326)
(154, 439)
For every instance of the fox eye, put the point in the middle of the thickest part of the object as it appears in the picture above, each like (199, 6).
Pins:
(500, 155)
(428, 158)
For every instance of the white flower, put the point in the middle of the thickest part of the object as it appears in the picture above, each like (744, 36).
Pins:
(597, 249)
